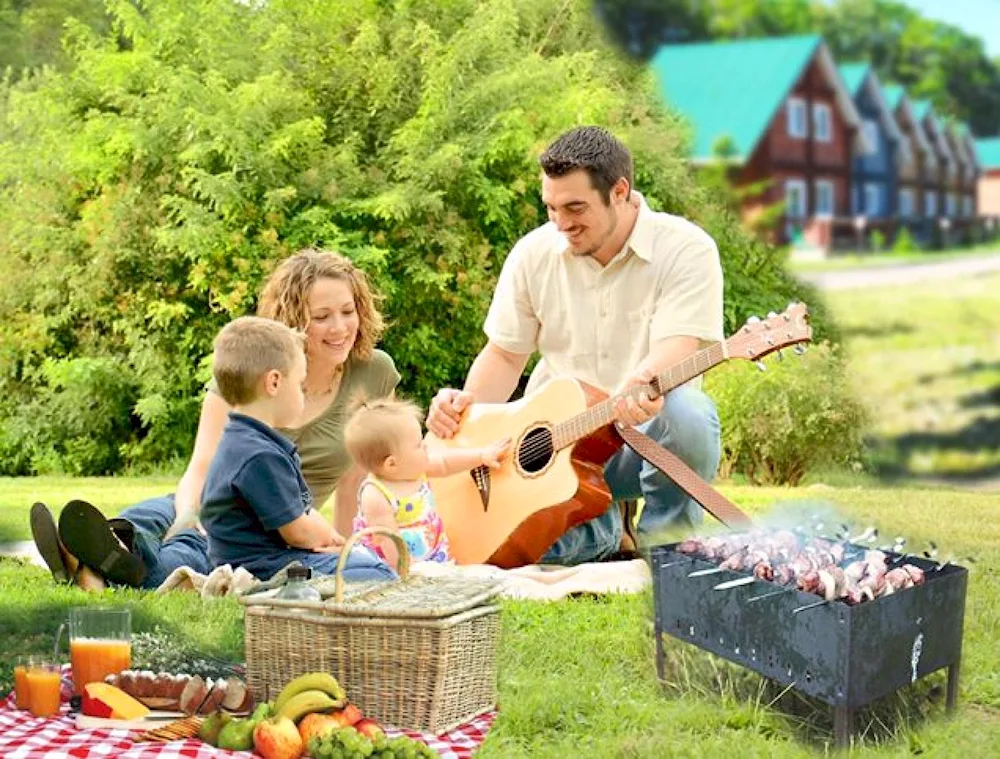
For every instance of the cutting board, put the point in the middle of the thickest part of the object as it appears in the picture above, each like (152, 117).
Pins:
(152, 720)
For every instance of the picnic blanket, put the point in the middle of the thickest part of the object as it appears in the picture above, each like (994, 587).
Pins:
(23, 736)
(542, 582)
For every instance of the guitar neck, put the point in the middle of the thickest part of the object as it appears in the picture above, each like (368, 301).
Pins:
(601, 414)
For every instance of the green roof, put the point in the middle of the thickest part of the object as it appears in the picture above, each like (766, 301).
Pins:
(921, 108)
(731, 88)
(988, 153)
(894, 95)
(853, 75)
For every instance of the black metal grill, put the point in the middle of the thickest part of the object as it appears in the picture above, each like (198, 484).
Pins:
(845, 656)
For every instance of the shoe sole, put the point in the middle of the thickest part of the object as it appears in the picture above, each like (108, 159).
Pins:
(46, 537)
(87, 535)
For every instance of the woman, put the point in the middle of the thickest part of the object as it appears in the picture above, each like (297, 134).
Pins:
(330, 300)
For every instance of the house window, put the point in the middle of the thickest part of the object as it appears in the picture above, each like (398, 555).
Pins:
(822, 126)
(930, 204)
(949, 204)
(795, 198)
(906, 204)
(869, 128)
(967, 209)
(797, 118)
(873, 199)
(824, 197)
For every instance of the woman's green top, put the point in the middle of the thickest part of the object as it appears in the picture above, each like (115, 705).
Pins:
(320, 443)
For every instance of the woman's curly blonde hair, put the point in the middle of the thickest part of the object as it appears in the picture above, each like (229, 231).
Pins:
(285, 297)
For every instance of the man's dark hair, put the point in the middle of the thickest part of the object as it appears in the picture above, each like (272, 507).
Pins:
(596, 151)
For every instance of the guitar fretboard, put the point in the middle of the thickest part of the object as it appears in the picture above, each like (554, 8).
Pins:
(597, 416)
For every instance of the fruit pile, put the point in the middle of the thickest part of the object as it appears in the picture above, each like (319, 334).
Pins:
(311, 711)
(345, 743)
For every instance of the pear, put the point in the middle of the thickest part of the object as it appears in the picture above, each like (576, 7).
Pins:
(237, 735)
(212, 726)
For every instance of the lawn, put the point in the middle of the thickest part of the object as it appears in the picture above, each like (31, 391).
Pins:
(577, 677)
(927, 359)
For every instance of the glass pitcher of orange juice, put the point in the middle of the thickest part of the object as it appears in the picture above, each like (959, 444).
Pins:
(100, 643)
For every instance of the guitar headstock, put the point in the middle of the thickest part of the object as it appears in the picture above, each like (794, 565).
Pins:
(758, 337)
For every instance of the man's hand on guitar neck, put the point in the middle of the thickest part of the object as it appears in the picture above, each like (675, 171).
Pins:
(632, 411)
(447, 407)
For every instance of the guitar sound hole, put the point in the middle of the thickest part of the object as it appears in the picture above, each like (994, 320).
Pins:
(535, 451)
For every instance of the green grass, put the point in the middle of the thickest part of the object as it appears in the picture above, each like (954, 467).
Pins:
(577, 677)
(927, 360)
(845, 261)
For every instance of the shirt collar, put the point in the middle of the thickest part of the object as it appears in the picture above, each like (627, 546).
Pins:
(248, 421)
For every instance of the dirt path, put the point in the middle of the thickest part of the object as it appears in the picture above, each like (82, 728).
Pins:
(903, 274)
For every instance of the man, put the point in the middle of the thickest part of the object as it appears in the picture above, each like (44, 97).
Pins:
(610, 293)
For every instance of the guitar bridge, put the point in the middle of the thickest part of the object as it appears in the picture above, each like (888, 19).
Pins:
(481, 476)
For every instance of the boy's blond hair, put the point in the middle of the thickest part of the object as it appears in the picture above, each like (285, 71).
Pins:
(372, 432)
(248, 348)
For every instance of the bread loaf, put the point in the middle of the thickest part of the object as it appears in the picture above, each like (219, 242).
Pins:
(192, 695)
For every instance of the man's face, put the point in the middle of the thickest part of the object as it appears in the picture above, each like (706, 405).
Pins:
(579, 211)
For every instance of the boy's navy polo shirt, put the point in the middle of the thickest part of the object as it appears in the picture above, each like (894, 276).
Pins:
(254, 486)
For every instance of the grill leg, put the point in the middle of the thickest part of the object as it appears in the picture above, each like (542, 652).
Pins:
(843, 719)
(952, 693)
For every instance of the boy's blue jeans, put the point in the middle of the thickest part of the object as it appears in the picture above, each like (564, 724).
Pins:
(688, 426)
(151, 520)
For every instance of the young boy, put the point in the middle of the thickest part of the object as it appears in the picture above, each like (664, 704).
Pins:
(256, 506)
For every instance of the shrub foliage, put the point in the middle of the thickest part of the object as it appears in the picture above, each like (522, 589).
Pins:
(147, 191)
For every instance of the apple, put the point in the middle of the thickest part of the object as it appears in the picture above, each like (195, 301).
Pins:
(315, 724)
(368, 728)
(277, 738)
(347, 716)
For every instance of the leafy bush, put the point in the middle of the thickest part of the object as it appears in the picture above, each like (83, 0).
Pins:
(798, 415)
(904, 242)
(146, 193)
(878, 241)
(77, 423)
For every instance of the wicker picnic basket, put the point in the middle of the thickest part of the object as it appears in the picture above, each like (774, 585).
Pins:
(418, 653)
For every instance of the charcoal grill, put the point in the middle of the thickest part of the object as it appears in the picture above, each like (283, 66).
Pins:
(846, 656)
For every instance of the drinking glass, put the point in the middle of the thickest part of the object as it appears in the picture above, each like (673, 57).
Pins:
(22, 698)
(43, 679)
(100, 643)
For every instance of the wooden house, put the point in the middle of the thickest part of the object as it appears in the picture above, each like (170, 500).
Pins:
(782, 111)
(916, 166)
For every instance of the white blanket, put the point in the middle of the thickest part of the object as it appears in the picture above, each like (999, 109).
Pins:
(535, 582)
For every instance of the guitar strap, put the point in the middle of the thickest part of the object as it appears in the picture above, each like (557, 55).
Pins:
(686, 478)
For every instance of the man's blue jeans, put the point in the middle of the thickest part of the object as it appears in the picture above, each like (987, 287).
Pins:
(688, 426)
(151, 519)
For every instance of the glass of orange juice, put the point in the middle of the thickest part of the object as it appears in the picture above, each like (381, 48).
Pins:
(21, 695)
(43, 680)
(100, 643)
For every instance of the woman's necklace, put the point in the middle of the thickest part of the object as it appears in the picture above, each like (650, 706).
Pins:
(329, 388)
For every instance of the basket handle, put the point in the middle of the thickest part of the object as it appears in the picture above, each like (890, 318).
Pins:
(404, 556)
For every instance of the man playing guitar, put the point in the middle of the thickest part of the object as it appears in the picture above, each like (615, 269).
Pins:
(611, 293)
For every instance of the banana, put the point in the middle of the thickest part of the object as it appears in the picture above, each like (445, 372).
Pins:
(312, 681)
(306, 702)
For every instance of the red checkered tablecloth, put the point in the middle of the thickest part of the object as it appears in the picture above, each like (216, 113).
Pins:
(23, 736)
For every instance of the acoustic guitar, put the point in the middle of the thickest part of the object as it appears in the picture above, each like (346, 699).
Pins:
(562, 435)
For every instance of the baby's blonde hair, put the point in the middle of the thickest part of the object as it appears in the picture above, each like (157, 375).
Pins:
(372, 432)
(248, 348)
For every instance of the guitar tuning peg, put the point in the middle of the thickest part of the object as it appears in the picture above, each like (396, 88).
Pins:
(753, 320)
(771, 315)
(781, 356)
(799, 350)
(760, 365)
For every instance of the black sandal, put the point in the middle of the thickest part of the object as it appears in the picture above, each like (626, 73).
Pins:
(87, 535)
(46, 537)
